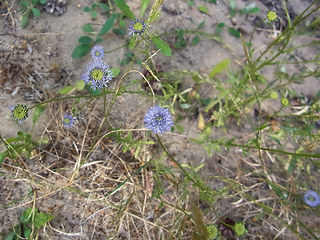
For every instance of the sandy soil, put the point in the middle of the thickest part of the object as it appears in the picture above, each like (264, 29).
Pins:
(38, 63)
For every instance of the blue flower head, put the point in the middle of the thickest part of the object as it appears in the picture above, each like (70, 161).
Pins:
(97, 52)
(97, 74)
(19, 112)
(311, 198)
(68, 121)
(137, 27)
(158, 119)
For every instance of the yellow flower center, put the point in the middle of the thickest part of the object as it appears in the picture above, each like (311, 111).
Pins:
(20, 112)
(66, 120)
(239, 228)
(138, 26)
(97, 74)
(272, 16)
(213, 231)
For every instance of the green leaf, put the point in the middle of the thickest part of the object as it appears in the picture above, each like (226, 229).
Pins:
(41, 219)
(11, 236)
(104, 7)
(254, 10)
(234, 32)
(37, 112)
(80, 85)
(91, 91)
(162, 45)
(93, 14)
(122, 24)
(36, 12)
(121, 4)
(81, 50)
(66, 90)
(2, 156)
(119, 31)
(99, 40)
(195, 40)
(292, 165)
(203, 9)
(115, 71)
(87, 28)
(27, 215)
(143, 7)
(24, 19)
(201, 25)
(85, 40)
(24, 3)
(43, 1)
(86, 9)
(107, 26)
(219, 67)
(26, 231)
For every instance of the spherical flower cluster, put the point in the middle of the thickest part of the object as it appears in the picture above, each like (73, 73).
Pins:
(137, 27)
(97, 74)
(68, 121)
(239, 228)
(97, 52)
(213, 231)
(158, 120)
(284, 101)
(19, 112)
(311, 198)
(271, 16)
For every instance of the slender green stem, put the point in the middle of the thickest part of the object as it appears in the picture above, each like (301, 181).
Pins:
(178, 164)
(277, 151)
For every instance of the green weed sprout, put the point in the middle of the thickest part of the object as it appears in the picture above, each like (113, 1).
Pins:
(31, 221)
(27, 8)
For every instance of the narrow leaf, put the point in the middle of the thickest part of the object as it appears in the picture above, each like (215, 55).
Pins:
(119, 31)
(195, 40)
(203, 9)
(37, 113)
(66, 90)
(3, 155)
(24, 19)
(219, 67)
(234, 32)
(162, 45)
(81, 50)
(121, 4)
(143, 7)
(80, 85)
(107, 26)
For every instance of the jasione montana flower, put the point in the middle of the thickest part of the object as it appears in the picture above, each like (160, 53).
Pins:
(97, 74)
(158, 120)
